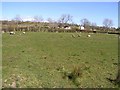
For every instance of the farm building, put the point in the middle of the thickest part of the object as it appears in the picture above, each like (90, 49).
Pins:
(67, 27)
(82, 28)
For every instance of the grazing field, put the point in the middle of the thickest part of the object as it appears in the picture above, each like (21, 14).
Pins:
(50, 60)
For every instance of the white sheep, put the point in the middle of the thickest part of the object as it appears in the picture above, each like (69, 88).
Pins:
(23, 32)
(12, 33)
(3, 32)
(88, 35)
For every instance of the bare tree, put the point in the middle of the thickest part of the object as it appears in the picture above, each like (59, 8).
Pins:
(38, 20)
(17, 19)
(65, 18)
(50, 20)
(86, 23)
(107, 23)
(52, 23)
(93, 25)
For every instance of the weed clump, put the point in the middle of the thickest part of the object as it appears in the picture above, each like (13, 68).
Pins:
(76, 73)
(72, 75)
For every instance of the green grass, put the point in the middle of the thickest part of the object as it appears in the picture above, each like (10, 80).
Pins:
(40, 59)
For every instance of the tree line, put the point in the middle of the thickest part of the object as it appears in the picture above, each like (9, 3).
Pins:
(38, 24)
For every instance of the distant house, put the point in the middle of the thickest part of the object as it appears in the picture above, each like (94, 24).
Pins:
(67, 27)
(82, 28)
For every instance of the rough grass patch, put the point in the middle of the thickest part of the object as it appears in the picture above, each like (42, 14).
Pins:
(72, 75)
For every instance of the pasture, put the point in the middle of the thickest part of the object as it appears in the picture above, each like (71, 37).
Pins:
(45, 60)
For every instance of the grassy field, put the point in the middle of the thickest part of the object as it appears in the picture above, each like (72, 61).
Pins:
(50, 60)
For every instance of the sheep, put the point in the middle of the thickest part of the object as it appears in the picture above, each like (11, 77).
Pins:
(12, 33)
(73, 35)
(89, 35)
(23, 32)
(3, 32)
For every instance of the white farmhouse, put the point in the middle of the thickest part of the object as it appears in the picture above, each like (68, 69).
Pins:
(67, 27)
(82, 28)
